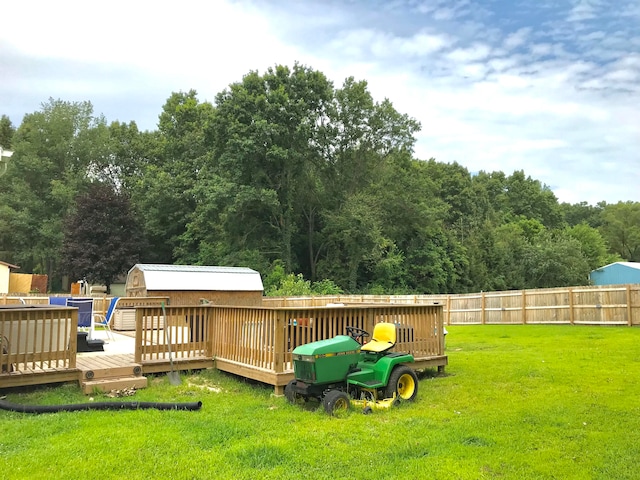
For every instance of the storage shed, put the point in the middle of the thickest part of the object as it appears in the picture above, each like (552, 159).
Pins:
(195, 284)
(619, 273)
(5, 271)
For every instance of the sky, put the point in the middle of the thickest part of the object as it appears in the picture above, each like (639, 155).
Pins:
(551, 87)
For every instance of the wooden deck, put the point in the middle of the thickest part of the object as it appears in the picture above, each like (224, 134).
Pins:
(253, 342)
(26, 376)
(103, 371)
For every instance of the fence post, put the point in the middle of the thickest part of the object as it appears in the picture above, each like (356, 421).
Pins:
(448, 309)
(482, 309)
(571, 312)
(524, 307)
(629, 310)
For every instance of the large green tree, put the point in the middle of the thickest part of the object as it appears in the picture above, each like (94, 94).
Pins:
(267, 136)
(6, 132)
(593, 246)
(102, 237)
(582, 212)
(621, 229)
(287, 172)
(53, 151)
(528, 197)
(370, 144)
(525, 254)
(170, 166)
(128, 152)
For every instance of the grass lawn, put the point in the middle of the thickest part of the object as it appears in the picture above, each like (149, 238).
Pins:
(516, 402)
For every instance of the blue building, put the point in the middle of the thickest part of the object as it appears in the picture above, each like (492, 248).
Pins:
(619, 273)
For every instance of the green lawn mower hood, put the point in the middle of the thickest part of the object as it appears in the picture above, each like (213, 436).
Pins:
(326, 361)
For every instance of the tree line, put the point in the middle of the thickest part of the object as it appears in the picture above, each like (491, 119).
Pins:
(306, 182)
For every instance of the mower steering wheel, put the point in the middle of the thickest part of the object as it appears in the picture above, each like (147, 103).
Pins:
(357, 333)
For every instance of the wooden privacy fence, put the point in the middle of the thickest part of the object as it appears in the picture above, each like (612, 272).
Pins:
(37, 341)
(613, 305)
(256, 342)
(601, 305)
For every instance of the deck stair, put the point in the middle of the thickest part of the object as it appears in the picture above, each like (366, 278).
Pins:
(106, 373)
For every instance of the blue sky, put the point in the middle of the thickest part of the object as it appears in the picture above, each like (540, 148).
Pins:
(548, 87)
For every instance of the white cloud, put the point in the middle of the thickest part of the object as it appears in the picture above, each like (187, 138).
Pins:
(196, 41)
(583, 10)
(444, 14)
(382, 45)
(554, 98)
(517, 38)
(475, 52)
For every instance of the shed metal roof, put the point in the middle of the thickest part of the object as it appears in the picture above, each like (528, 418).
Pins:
(200, 278)
(631, 264)
(8, 264)
(624, 264)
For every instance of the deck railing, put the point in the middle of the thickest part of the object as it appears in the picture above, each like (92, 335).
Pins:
(257, 342)
(37, 339)
(183, 332)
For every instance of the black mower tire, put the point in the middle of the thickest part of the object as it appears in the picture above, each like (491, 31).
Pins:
(335, 401)
(291, 395)
(403, 383)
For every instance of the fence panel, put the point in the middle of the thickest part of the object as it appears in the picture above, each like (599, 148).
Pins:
(599, 305)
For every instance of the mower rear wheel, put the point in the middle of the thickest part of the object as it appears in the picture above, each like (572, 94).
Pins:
(403, 382)
(335, 401)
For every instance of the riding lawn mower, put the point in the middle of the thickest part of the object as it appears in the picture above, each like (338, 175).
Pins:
(344, 371)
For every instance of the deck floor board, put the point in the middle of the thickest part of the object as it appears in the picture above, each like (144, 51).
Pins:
(104, 361)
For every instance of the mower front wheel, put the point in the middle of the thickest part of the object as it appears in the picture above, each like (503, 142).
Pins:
(291, 395)
(335, 401)
(403, 382)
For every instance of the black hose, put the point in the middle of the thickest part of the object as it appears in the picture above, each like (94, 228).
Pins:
(14, 407)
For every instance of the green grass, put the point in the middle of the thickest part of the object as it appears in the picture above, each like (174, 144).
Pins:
(516, 402)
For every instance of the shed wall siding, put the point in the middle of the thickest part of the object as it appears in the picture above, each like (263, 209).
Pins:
(139, 285)
(615, 274)
(4, 279)
(244, 299)
(135, 285)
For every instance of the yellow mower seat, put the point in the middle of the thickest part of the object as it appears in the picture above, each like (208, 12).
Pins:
(384, 338)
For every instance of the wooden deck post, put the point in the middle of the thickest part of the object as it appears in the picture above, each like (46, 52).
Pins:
(209, 330)
(73, 338)
(279, 343)
(370, 324)
(440, 323)
(138, 352)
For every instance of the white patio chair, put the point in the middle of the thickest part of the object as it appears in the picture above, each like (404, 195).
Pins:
(105, 320)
